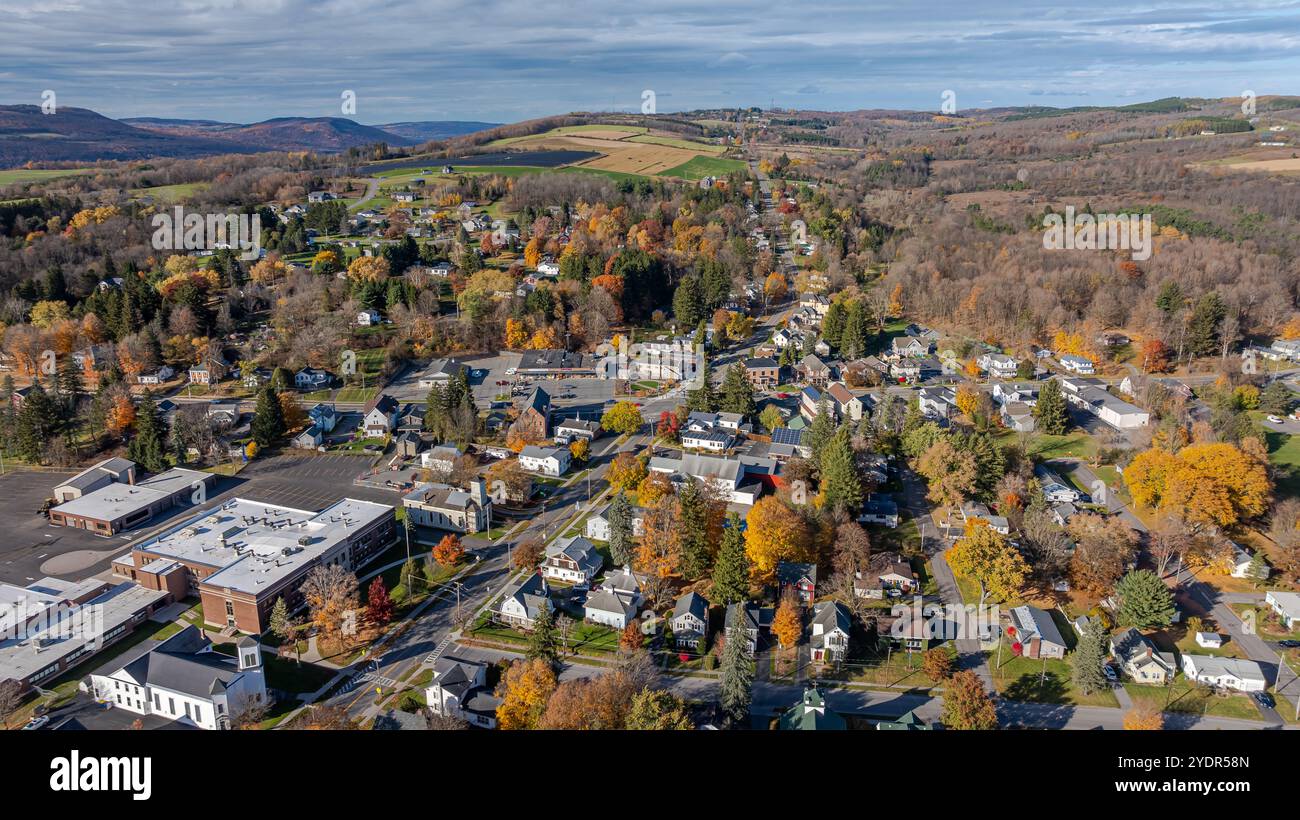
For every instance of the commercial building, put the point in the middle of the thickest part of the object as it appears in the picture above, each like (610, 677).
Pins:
(240, 557)
(115, 506)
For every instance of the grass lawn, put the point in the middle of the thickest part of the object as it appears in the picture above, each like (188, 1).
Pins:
(1025, 679)
(698, 167)
(170, 193)
(677, 142)
(1186, 698)
(1040, 445)
(898, 668)
(19, 176)
(1284, 453)
(1267, 624)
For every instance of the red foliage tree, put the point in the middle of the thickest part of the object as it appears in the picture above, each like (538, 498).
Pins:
(379, 606)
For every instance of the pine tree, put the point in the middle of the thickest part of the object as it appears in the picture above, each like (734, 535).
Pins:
(435, 411)
(737, 392)
(822, 429)
(853, 342)
(1204, 324)
(1144, 600)
(841, 485)
(1050, 413)
(1088, 658)
(37, 423)
(544, 643)
(268, 419)
(70, 385)
(731, 571)
(833, 323)
(148, 447)
(703, 399)
(620, 530)
(693, 526)
(737, 677)
(688, 304)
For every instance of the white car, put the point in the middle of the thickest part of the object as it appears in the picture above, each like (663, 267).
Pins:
(510, 371)
(1274, 419)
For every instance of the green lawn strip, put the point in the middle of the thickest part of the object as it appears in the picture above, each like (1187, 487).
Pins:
(1186, 698)
(698, 167)
(1026, 679)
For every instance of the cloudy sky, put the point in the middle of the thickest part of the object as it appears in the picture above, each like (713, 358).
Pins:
(507, 60)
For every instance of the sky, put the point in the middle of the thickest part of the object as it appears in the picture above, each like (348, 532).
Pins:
(509, 60)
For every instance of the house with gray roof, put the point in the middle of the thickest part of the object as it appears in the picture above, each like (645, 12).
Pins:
(522, 602)
(573, 559)
(1140, 659)
(830, 629)
(1036, 633)
(690, 621)
(459, 689)
(183, 679)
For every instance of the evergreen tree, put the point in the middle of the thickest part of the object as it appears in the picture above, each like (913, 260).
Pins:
(841, 485)
(989, 459)
(37, 423)
(268, 419)
(822, 429)
(1088, 658)
(833, 323)
(688, 304)
(620, 530)
(1170, 299)
(703, 399)
(70, 385)
(693, 526)
(435, 411)
(1144, 600)
(737, 392)
(1050, 413)
(731, 572)
(853, 342)
(1204, 325)
(544, 643)
(737, 678)
(148, 447)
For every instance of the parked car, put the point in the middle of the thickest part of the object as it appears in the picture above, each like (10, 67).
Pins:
(1274, 419)
(37, 722)
(510, 371)
(1110, 673)
(1289, 643)
(1265, 699)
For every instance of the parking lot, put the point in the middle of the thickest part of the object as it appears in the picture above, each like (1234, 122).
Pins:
(570, 397)
(30, 548)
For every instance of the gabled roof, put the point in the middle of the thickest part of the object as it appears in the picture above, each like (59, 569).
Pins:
(384, 403)
(692, 603)
(832, 616)
(789, 572)
(181, 664)
(811, 713)
(1035, 623)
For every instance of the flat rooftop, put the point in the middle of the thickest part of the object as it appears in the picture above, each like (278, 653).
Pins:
(19, 659)
(121, 500)
(253, 545)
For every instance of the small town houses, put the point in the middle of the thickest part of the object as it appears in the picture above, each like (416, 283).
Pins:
(1237, 674)
(690, 621)
(616, 602)
(830, 630)
(573, 560)
(522, 602)
(547, 461)
(1140, 660)
(459, 689)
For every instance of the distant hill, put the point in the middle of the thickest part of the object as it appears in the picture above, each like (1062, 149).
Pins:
(81, 135)
(324, 134)
(435, 129)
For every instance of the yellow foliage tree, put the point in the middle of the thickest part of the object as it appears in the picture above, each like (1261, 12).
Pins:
(516, 335)
(45, 314)
(786, 625)
(524, 691)
(368, 269)
(986, 557)
(774, 532)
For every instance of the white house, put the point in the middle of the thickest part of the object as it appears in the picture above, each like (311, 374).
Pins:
(598, 524)
(1286, 605)
(573, 559)
(184, 680)
(459, 689)
(616, 602)
(521, 603)
(312, 378)
(548, 268)
(937, 402)
(1077, 364)
(379, 416)
(550, 461)
(1140, 659)
(690, 620)
(998, 365)
(158, 376)
(367, 318)
(715, 441)
(1209, 640)
(831, 626)
(1241, 563)
(1225, 673)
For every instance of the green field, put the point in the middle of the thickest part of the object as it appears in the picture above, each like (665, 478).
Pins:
(678, 142)
(1284, 453)
(705, 167)
(170, 193)
(19, 176)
